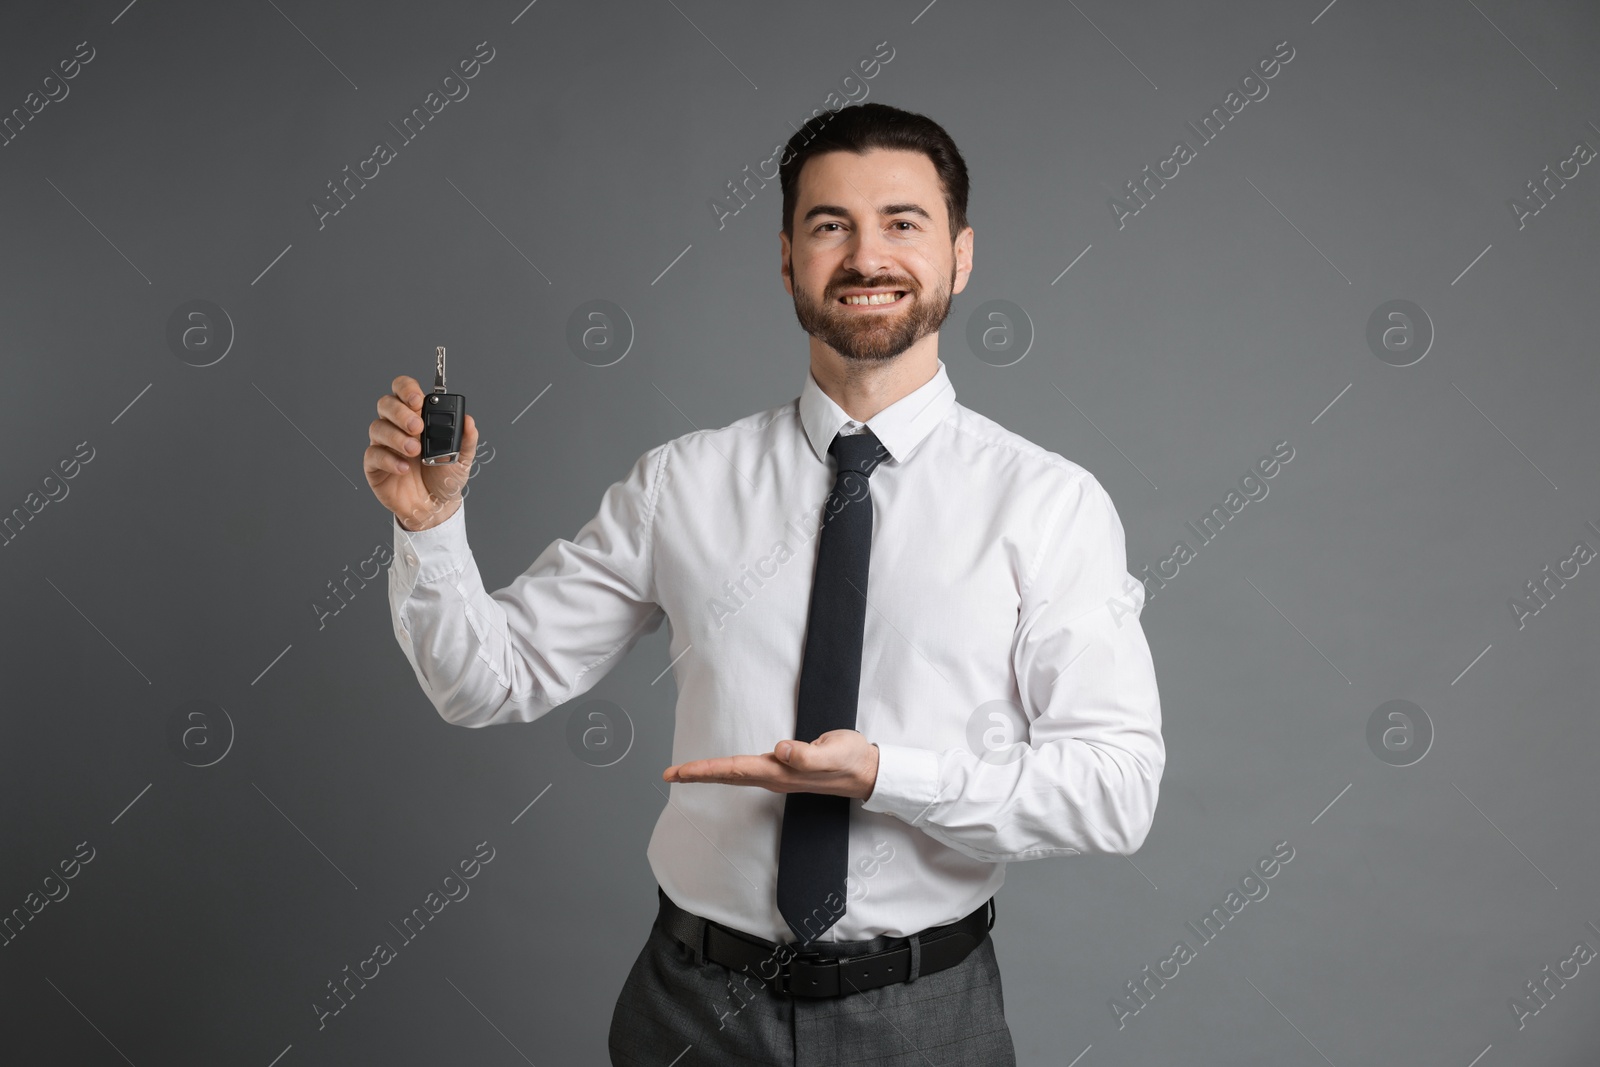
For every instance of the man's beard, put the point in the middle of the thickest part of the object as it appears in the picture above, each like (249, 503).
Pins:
(869, 337)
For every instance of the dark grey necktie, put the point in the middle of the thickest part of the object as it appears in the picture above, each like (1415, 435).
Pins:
(813, 850)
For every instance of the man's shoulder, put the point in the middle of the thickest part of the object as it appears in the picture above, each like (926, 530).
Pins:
(714, 441)
(1013, 453)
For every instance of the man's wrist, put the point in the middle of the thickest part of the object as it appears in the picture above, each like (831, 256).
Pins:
(872, 779)
(438, 514)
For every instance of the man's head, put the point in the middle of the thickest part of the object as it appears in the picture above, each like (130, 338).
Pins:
(874, 202)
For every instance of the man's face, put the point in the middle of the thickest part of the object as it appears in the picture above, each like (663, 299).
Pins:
(871, 266)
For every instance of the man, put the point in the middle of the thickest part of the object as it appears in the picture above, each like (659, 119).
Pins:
(899, 635)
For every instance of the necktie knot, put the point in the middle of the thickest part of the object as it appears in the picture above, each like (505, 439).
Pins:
(859, 452)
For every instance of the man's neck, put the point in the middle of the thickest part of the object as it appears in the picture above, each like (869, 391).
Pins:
(864, 389)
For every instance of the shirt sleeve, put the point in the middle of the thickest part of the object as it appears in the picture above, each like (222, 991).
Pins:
(1088, 777)
(510, 656)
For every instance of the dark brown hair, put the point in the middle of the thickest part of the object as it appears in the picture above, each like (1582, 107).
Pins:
(861, 127)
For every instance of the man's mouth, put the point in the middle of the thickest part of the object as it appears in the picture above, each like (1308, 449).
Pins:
(883, 299)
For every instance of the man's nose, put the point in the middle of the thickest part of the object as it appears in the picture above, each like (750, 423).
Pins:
(869, 254)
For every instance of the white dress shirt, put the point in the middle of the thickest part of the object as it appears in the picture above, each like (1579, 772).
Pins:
(998, 574)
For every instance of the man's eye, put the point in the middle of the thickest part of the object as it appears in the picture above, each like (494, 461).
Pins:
(825, 225)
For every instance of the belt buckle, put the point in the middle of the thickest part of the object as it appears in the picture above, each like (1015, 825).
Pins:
(786, 974)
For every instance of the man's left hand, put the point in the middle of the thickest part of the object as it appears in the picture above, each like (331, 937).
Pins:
(839, 763)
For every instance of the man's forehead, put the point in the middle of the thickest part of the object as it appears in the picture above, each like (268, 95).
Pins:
(878, 179)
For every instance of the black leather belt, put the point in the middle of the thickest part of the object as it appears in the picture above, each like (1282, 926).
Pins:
(828, 968)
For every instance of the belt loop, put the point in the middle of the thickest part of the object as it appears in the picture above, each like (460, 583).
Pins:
(684, 927)
(697, 945)
(916, 957)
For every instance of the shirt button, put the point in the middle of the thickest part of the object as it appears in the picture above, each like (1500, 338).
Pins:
(411, 559)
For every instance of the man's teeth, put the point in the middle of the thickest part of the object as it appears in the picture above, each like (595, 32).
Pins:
(877, 298)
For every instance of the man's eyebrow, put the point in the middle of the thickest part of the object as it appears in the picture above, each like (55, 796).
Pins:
(887, 209)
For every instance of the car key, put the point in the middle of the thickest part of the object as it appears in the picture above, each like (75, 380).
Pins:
(443, 420)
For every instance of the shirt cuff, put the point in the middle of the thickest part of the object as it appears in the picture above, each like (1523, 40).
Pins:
(428, 555)
(908, 782)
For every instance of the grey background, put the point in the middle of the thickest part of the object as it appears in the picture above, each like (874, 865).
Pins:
(1228, 315)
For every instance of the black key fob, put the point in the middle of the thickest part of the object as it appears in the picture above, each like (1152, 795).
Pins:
(444, 417)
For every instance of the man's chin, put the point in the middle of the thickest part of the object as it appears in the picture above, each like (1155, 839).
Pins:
(870, 353)
(874, 356)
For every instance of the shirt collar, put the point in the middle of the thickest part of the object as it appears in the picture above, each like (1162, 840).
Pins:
(901, 426)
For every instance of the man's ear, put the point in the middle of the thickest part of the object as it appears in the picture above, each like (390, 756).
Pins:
(784, 268)
(963, 259)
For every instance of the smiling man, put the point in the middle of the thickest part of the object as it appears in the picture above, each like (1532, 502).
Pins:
(897, 670)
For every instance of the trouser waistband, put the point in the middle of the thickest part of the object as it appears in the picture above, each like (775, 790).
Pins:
(825, 968)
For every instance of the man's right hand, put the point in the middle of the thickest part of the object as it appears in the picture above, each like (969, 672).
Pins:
(420, 496)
